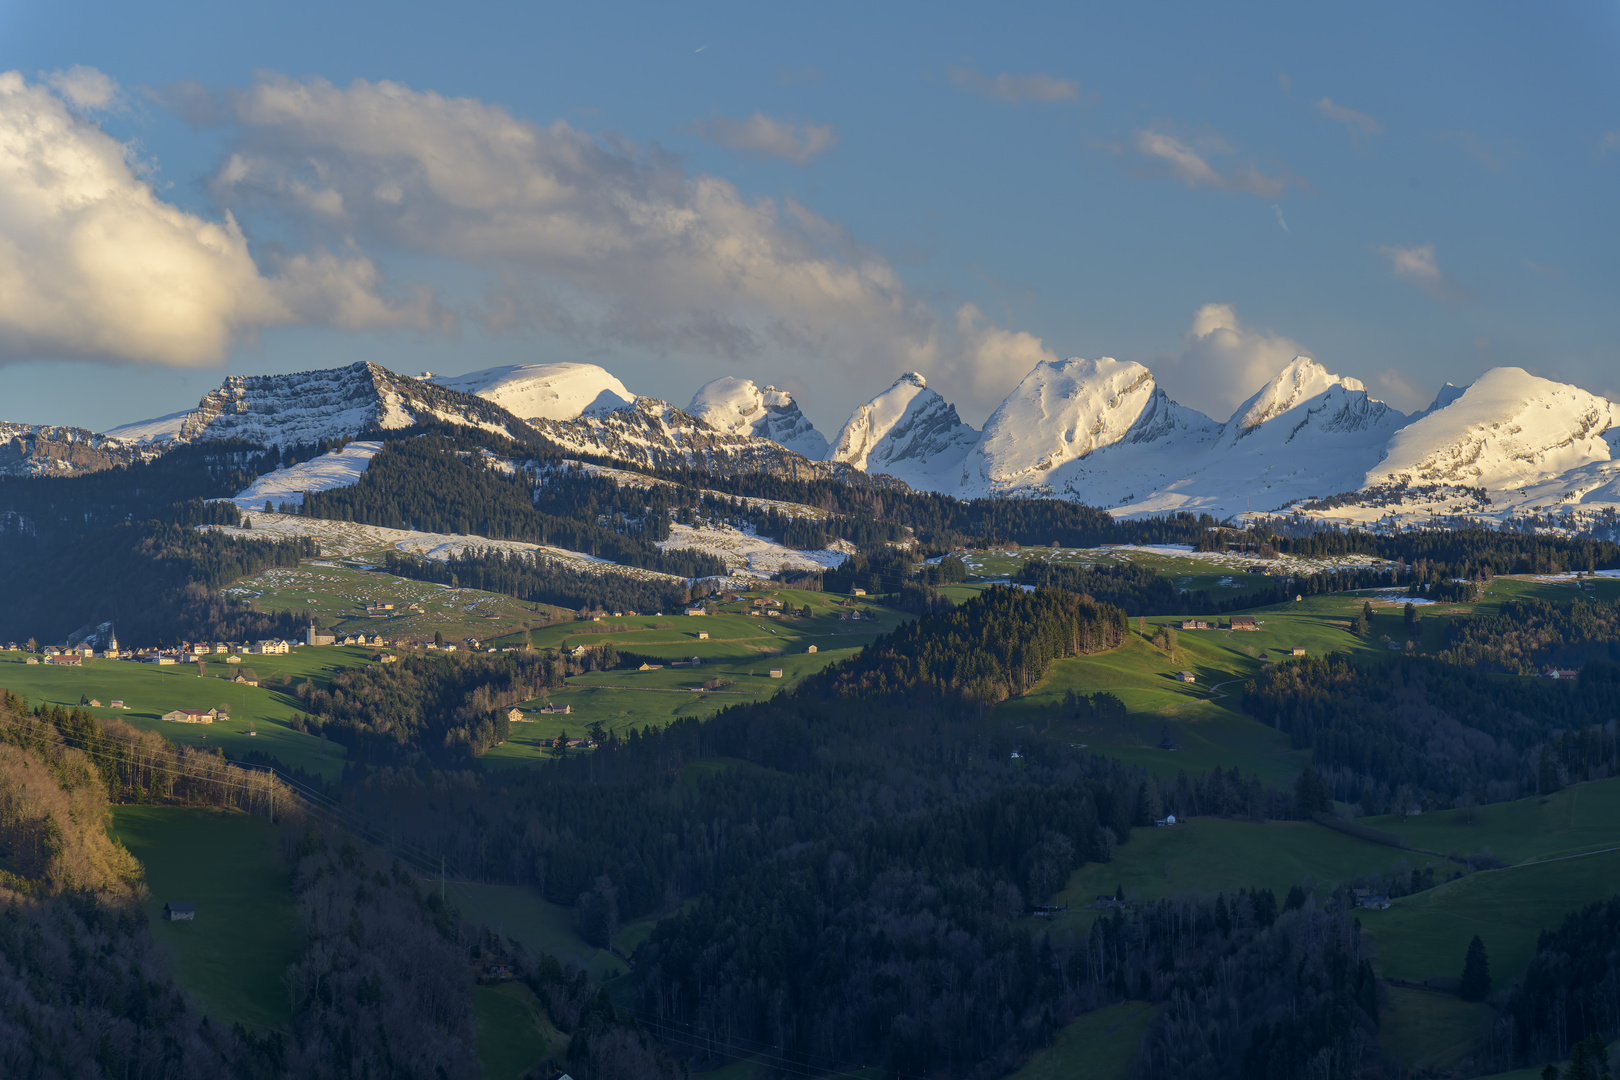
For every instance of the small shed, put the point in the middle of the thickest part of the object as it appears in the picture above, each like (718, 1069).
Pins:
(179, 911)
(811, 649)
(1297, 650)
(1186, 676)
(703, 635)
(776, 673)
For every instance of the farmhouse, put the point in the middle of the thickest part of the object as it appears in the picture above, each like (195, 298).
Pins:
(31, 660)
(857, 592)
(1244, 622)
(650, 667)
(1297, 650)
(776, 673)
(271, 648)
(117, 703)
(66, 659)
(191, 716)
(1186, 676)
(1195, 624)
(515, 716)
(245, 681)
(179, 911)
(811, 649)
(556, 710)
(696, 611)
(703, 635)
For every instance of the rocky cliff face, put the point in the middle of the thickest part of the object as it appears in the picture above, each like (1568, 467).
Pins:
(42, 450)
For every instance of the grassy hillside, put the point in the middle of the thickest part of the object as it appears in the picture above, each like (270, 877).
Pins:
(520, 914)
(1217, 855)
(150, 691)
(1424, 1029)
(246, 932)
(337, 596)
(1427, 934)
(1584, 817)
(1094, 1046)
(741, 649)
(514, 1033)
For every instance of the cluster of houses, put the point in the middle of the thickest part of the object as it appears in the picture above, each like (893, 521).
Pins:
(1236, 622)
(1560, 673)
(517, 716)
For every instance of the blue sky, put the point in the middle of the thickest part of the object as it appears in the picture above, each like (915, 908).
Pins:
(821, 196)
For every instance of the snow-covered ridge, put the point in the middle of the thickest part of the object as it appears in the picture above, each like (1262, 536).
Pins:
(544, 391)
(737, 407)
(909, 432)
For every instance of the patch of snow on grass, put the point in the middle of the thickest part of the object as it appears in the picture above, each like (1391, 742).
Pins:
(341, 468)
(747, 554)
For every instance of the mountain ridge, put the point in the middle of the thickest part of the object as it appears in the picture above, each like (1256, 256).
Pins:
(1103, 432)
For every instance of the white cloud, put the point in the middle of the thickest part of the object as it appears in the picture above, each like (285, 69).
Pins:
(990, 360)
(763, 136)
(1222, 362)
(1419, 267)
(1492, 157)
(84, 86)
(1399, 389)
(597, 239)
(1359, 123)
(1188, 161)
(1011, 88)
(94, 265)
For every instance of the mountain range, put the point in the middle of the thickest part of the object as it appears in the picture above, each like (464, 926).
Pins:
(1509, 446)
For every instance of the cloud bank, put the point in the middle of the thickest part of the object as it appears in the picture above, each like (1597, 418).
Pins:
(1010, 88)
(762, 136)
(94, 265)
(1360, 124)
(1223, 362)
(1419, 267)
(1164, 152)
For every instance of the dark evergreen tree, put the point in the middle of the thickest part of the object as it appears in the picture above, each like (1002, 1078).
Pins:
(1476, 974)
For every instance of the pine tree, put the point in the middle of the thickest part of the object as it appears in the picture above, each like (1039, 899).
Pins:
(1476, 976)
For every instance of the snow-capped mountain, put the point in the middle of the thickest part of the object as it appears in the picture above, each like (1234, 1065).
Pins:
(908, 432)
(1066, 410)
(314, 406)
(1099, 431)
(656, 435)
(544, 391)
(268, 410)
(44, 450)
(735, 406)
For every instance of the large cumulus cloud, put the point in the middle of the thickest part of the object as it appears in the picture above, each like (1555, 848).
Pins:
(93, 264)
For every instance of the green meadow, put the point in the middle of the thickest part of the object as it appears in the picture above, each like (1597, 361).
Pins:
(246, 934)
(1583, 817)
(337, 596)
(259, 716)
(1426, 934)
(740, 652)
(1210, 855)
(514, 1033)
(1098, 1045)
(1429, 1030)
(518, 912)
